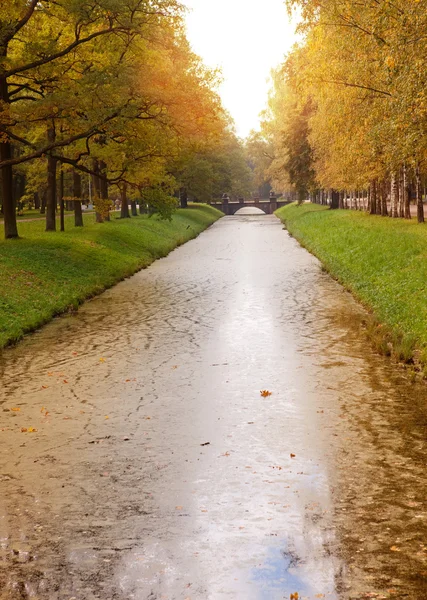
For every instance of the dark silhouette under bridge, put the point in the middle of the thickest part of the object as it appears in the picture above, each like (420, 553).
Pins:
(230, 207)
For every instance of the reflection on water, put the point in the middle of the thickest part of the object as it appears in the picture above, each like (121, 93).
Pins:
(157, 471)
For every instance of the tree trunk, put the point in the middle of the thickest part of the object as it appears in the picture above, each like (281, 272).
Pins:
(61, 201)
(420, 205)
(51, 184)
(406, 194)
(77, 193)
(335, 200)
(9, 211)
(383, 191)
(394, 194)
(96, 185)
(142, 209)
(104, 191)
(124, 212)
(401, 195)
(183, 198)
(43, 204)
(373, 196)
(133, 207)
(36, 201)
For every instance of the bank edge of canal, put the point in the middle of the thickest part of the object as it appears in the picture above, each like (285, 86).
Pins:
(382, 262)
(46, 274)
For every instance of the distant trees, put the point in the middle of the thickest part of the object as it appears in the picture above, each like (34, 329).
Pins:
(348, 113)
(109, 89)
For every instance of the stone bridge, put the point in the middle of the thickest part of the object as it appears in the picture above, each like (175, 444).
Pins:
(230, 207)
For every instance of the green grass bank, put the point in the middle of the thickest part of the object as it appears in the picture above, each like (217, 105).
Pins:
(382, 261)
(45, 274)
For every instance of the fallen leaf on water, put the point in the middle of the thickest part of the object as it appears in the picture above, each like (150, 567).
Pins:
(102, 360)
(107, 417)
(225, 454)
(206, 444)
(178, 507)
(65, 381)
(28, 429)
(44, 387)
(395, 549)
(293, 455)
(265, 393)
(74, 353)
(15, 409)
(294, 596)
(174, 367)
(319, 596)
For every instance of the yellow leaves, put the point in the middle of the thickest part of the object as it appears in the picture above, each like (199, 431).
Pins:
(28, 430)
(15, 409)
(395, 549)
(266, 393)
(294, 596)
(390, 62)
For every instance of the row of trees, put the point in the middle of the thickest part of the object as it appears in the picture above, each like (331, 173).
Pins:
(348, 112)
(110, 89)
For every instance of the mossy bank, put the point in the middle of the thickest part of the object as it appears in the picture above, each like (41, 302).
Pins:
(45, 274)
(383, 262)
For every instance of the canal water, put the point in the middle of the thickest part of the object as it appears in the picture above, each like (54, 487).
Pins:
(140, 461)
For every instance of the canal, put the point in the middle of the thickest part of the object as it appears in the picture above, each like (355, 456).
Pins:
(140, 461)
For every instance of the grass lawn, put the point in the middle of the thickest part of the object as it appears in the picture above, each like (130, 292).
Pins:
(382, 261)
(44, 274)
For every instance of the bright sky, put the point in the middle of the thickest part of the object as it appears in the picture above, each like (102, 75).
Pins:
(246, 39)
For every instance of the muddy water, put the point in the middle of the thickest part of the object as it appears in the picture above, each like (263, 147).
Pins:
(157, 470)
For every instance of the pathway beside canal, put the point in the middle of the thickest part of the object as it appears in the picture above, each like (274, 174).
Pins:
(140, 461)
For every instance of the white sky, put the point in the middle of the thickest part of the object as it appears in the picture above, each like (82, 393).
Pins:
(246, 39)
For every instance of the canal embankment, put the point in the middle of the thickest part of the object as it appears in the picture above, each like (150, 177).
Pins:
(45, 274)
(382, 262)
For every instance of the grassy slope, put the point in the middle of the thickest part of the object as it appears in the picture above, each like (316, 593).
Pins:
(45, 274)
(383, 262)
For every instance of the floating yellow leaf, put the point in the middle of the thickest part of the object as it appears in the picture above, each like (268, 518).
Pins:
(265, 393)
(15, 409)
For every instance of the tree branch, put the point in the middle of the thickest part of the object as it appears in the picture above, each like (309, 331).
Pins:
(31, 8)
(77, 42)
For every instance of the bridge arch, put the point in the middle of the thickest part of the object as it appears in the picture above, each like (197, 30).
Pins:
(250, 211)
